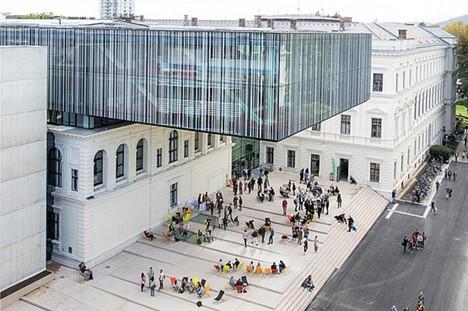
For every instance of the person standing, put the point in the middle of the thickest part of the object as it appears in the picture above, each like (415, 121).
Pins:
(404, 243)
(319, 209)
(152, 286)
(456, 156)
(142, 281)
(162, 277)
(433, 208)
(437, 185)
(299, 236)
(327, 204)
(306, 245)
(245, 235)
(338, 200)
(262, 233)
(350, 223)
(241, 186)
(240, 203)
(294, 188)
(454, 176)
(150, 275)
(316, 241)
(272, 233)
(285, 207)
(393, 195)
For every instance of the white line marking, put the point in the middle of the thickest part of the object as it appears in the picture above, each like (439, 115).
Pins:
(409, 214)
(390, 212)
(426, 212)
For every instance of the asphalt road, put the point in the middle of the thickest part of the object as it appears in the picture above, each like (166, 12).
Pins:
(378, 274)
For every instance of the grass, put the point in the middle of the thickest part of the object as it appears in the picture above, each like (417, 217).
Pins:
(461, 110)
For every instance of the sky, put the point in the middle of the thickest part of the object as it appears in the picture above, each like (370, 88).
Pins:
(429, 11)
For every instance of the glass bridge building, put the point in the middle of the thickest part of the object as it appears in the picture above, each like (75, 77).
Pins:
(257, 83)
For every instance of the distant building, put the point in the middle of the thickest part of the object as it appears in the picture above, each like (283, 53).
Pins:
(23, 111)
(112, 9)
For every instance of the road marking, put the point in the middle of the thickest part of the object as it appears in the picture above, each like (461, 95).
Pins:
(390, 212)
(426, 212)
(409, 214)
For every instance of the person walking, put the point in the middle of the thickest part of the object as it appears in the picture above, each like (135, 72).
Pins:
(437, 184)
(296, 202)
(162, 277)
(246, 236)
(306, 245)
(404, 243)
(327, 204)
(240, 203)
(142, 281)
(350, 223)
(285, 207)
(299, 236)
(338, 200)
(454, 176)
(262, 233)
(319, 209)
(272, 233)
(316, 241)
(393, 195)
(393, 308)
(433, 208)
(456, 156)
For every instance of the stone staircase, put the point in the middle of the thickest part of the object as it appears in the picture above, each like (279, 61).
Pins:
(365, 208)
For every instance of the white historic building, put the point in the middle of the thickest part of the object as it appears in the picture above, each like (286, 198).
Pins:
(112, 9)
(23, 127)
(382, 142)
(112, 183)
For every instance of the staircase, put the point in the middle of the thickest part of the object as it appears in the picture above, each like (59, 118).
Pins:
(365, 208)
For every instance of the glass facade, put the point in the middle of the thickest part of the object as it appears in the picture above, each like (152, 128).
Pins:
(245, 154)
(262, 84)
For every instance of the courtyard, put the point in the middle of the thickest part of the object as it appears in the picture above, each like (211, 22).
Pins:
(116, 282)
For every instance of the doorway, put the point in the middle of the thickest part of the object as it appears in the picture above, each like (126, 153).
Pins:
(343, 171)
(315, 164)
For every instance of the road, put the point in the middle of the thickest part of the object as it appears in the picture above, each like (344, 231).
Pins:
(378, 274)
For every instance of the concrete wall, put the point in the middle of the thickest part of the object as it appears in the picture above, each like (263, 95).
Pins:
(23, 101)
(97, 222)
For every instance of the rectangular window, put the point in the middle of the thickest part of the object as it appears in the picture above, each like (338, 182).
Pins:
(316, 127)
(408, 157)
(139, 156)
(377, 82)
(396, 83)
(402, 164)
(197, 142)
(345, 124)
(394, 169)
(159, 152)
(74, 180)
(291, 158)
(404, 80)
(98, 169)
(270, 154)
(173, 195)
(186, 148)
(315, 164)
(376, 128)
(375, 172)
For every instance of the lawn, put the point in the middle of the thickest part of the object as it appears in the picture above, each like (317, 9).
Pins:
(461, 110)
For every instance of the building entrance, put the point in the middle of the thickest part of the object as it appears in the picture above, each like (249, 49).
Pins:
(343, 169)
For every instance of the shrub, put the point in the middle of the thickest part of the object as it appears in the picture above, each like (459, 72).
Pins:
(440, 151)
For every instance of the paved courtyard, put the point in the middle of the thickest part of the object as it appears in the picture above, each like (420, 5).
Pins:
(116, 284)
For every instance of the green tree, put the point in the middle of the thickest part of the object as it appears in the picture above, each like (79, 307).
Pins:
(43, 15)
(460, 31)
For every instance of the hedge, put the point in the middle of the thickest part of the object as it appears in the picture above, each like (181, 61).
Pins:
(440, 151)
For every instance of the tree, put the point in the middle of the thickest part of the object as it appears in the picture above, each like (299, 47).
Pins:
(43, 15)
(460, 31)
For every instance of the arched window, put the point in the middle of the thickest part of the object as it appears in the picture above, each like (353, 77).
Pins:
(55, 167)
(99, 168)
(120, 161)
(173, 143)
(140, 155)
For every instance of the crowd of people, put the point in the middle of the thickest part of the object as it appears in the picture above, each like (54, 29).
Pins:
(414, 242)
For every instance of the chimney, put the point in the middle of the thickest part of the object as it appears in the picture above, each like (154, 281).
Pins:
(194, 21)
(402, 33)
(293, 24)
(258, 20)
(270, 23)
(241, 22)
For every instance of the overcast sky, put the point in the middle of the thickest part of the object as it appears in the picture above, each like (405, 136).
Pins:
(360, 10)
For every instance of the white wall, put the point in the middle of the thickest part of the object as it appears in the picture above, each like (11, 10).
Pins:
(23, 100)
(98, 222)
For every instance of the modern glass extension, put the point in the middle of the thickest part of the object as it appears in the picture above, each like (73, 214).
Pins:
(264, 84)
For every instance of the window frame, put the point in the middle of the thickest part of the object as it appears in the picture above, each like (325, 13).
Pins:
(270, 155)
(120, 162)
(374, 172)
(74, 179)
(140, 156)
(159, 154)
(173, 195)
(345, 128)
(291, 158)
(209, 140)
(196, 142)
(55, 168)
(98, 171)
(377, 84)
(376, 128)
(173, 146)
(186, 148)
